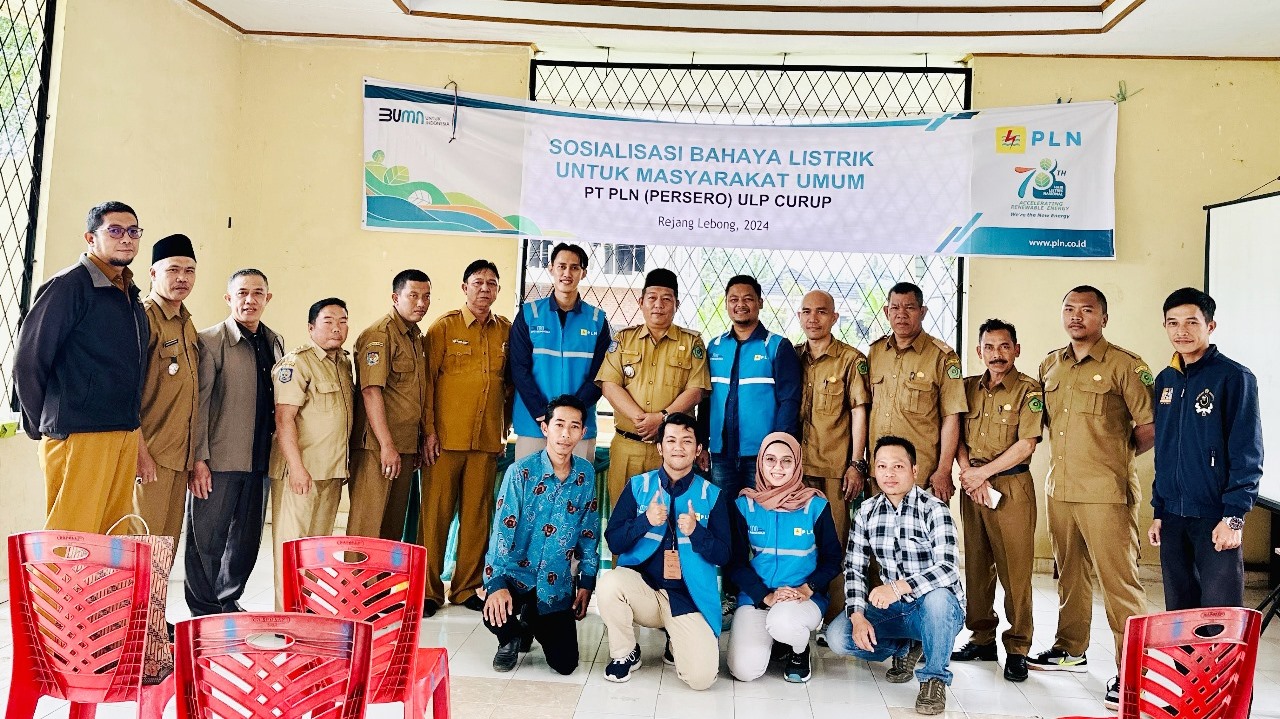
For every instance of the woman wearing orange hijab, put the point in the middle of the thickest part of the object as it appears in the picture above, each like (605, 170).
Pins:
(786, 553)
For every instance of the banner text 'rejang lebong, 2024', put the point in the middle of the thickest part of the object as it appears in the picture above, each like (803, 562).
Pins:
(1014, 182)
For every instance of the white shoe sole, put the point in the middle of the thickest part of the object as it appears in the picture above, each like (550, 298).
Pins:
(627, 678)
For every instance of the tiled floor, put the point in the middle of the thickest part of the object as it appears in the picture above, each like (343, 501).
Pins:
(839, 688)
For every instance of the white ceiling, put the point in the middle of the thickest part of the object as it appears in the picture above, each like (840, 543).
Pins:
(804, 29)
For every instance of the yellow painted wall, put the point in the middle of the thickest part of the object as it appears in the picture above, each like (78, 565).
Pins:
(1198, 132)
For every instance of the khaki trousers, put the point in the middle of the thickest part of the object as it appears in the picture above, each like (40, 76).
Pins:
(161, 503)
(89, 479)
(294, 516)
(627, 458)
(461, 483)
(378, 504)
(833, 488)
(1087, 538)
(1000, 543)
(526, 446)
(625, 600)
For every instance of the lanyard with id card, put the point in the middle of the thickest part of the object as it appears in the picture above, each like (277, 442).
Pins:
(671, 557)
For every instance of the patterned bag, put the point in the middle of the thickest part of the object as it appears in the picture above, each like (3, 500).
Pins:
(158, 656)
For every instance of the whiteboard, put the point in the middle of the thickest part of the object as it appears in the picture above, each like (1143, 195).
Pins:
(1242, 273)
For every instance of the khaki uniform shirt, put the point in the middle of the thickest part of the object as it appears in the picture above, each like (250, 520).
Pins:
(391, 354)
(1091, 408)
(654, 373)
(171, 390)
(321, 385)
(834, 383)
(1001, 416)
(912, 390)
(468, 361)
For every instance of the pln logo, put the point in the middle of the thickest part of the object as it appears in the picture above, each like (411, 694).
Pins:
(1011, 140)
(1044, 180)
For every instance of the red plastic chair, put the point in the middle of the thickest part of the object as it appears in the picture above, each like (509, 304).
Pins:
(79, 605)
(381, 582)
(272, 666)
(1190, 664)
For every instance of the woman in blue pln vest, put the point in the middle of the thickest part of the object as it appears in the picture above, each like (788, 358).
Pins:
(786, 553)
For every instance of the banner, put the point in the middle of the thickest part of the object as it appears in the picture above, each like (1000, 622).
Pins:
(1012, 182)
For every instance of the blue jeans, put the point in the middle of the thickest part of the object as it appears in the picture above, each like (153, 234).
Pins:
(933, 620)
(732, 475)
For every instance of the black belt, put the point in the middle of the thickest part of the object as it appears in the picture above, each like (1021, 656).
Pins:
(1015, 469)
(631, 436)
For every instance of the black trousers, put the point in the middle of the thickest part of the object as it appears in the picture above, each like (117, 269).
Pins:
(1195, 574)
(223, 536)
(557, 632)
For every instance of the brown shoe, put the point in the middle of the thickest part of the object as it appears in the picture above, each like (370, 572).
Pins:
(932, 698)
(904, 667)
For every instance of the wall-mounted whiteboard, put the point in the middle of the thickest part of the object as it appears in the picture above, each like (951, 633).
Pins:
(1242, 272)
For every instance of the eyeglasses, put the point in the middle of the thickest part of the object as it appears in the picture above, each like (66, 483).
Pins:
(117, 232)
(770, 461)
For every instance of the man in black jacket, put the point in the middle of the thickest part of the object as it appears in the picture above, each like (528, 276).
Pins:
(1208, 460)
(79, 370)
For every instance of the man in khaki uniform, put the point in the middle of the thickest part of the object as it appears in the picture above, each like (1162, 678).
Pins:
(651, 370)
(170, 391)
(1098, 411)
(314, 403)
(916, 390)
(467, 354)
(833, 417)
(391, 366)
(1000, 433)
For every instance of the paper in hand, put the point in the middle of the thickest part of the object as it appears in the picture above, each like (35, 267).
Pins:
(993, 498)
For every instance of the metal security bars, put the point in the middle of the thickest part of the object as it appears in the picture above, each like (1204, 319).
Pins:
(756, 95)
(26, 49)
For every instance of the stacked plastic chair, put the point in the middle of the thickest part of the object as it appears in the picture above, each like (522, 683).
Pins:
(79, 604)
(252, 665)
(1189, 664)
(381, 582)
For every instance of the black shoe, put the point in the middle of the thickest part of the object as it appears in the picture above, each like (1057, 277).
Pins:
(821, 640)
(1015, 667)
(799, 668)
(507, 656)
(169, 626)
(1057, 660)
(971, 652)
(474, 603)
(1112, 698)
(429, 608)
(779, 652)
(667, 657)
(620, 670)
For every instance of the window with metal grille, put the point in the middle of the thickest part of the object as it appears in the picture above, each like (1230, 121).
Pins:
(740, 94)
(26, 47)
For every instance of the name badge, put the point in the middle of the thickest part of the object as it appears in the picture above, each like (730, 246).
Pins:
(671, 564)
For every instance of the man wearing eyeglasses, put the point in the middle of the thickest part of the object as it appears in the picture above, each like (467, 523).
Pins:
(79, 371)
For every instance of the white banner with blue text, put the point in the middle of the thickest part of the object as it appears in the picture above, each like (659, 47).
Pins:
(1012, 182)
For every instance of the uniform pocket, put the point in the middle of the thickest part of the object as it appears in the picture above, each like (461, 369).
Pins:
(457, 358)
(828, 397)
(922, 397)
(402, 364)
(1091, 397)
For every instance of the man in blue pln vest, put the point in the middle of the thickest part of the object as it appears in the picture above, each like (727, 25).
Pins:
(557, 346)
(672, 531)
(756, 386)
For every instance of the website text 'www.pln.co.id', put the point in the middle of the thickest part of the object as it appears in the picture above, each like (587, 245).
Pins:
(1060, 244)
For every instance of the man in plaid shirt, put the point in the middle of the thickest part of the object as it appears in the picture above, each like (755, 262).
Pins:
(917, 608)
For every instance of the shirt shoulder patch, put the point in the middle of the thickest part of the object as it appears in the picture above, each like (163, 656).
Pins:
(1144, 375)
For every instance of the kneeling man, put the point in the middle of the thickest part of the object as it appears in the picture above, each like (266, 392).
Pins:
(916, 610)
(546, 515)
(670, 529)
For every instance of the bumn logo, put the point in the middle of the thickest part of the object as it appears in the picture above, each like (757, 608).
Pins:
(391, 114)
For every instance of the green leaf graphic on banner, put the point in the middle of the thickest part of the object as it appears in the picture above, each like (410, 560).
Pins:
(462, 198)
(523, 225)
(378, 156)
(397, 175)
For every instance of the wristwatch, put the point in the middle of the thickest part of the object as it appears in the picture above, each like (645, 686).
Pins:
(861, 466)
(1235, 524)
